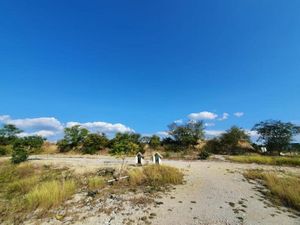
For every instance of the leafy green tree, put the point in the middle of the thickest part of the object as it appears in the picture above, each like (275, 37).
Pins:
(154, 141)
(126, 143)
(94, 142)
(8, 134)
(127, 148)
(187, 135)
(276, 135)
(73, 138)
(33, 143)
(231, 138)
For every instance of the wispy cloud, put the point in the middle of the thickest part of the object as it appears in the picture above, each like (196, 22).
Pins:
(224, 116)
(238, 114)
(180, 121)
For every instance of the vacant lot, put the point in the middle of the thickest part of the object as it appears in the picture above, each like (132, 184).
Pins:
(215, 192)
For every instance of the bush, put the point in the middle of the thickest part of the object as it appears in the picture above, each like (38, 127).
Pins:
(203, 155)
(19, 154)
(93, 143)
(2, 151)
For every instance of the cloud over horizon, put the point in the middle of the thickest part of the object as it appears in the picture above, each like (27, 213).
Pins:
(50, 127)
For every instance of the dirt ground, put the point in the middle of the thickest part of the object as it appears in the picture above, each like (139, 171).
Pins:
(215, 192)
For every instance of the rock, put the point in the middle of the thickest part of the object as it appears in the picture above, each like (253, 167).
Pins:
(92, 193)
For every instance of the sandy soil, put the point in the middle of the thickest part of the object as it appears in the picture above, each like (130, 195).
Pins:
(215, 192)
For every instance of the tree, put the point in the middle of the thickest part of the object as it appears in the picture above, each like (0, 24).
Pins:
(8, 134)
(187, 135)
(93, 143)
(73, 138)
(154, 141)
(276, 135)
(126, 143)
(33, 143)
(230, 140)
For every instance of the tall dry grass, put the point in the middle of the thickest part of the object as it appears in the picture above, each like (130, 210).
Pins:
(96, 182)
(50, 194)
(155, 176)
(268, 160)
(283, 188)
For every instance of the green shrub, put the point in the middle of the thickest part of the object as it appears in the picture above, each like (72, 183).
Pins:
(19, 154)
(203, 155)
(2, 151)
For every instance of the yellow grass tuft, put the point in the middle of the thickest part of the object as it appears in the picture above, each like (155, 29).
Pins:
(155, 175)
(50, 194)
(96, 182)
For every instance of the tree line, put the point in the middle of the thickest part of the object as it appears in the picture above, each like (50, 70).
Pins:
(275, 135)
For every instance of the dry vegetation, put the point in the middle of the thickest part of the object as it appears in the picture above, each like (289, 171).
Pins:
(284, 188)
(268, 160)
(28, 189)
(155, 176)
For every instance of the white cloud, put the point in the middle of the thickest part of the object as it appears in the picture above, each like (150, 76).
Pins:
(162, 133)
(47, 123)
(178, 121)
(224, 116)
(202, 116)
(252, 133)
(42, 126)
(214, 132)
(42, 133)
(209, 124)
(52, 127)
(4, 118)
(103, 127)
(238, 114)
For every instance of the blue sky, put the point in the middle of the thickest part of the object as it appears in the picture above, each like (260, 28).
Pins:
(140, 65)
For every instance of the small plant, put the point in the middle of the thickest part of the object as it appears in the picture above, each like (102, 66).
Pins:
(203, 155)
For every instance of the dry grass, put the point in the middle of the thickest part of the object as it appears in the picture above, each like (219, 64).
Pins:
(283, 188)
(155, 176)
(50, 194)
(26, 187)
(96, 182)
(269, 160)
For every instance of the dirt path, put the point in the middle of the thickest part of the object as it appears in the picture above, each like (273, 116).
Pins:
(214, 193)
